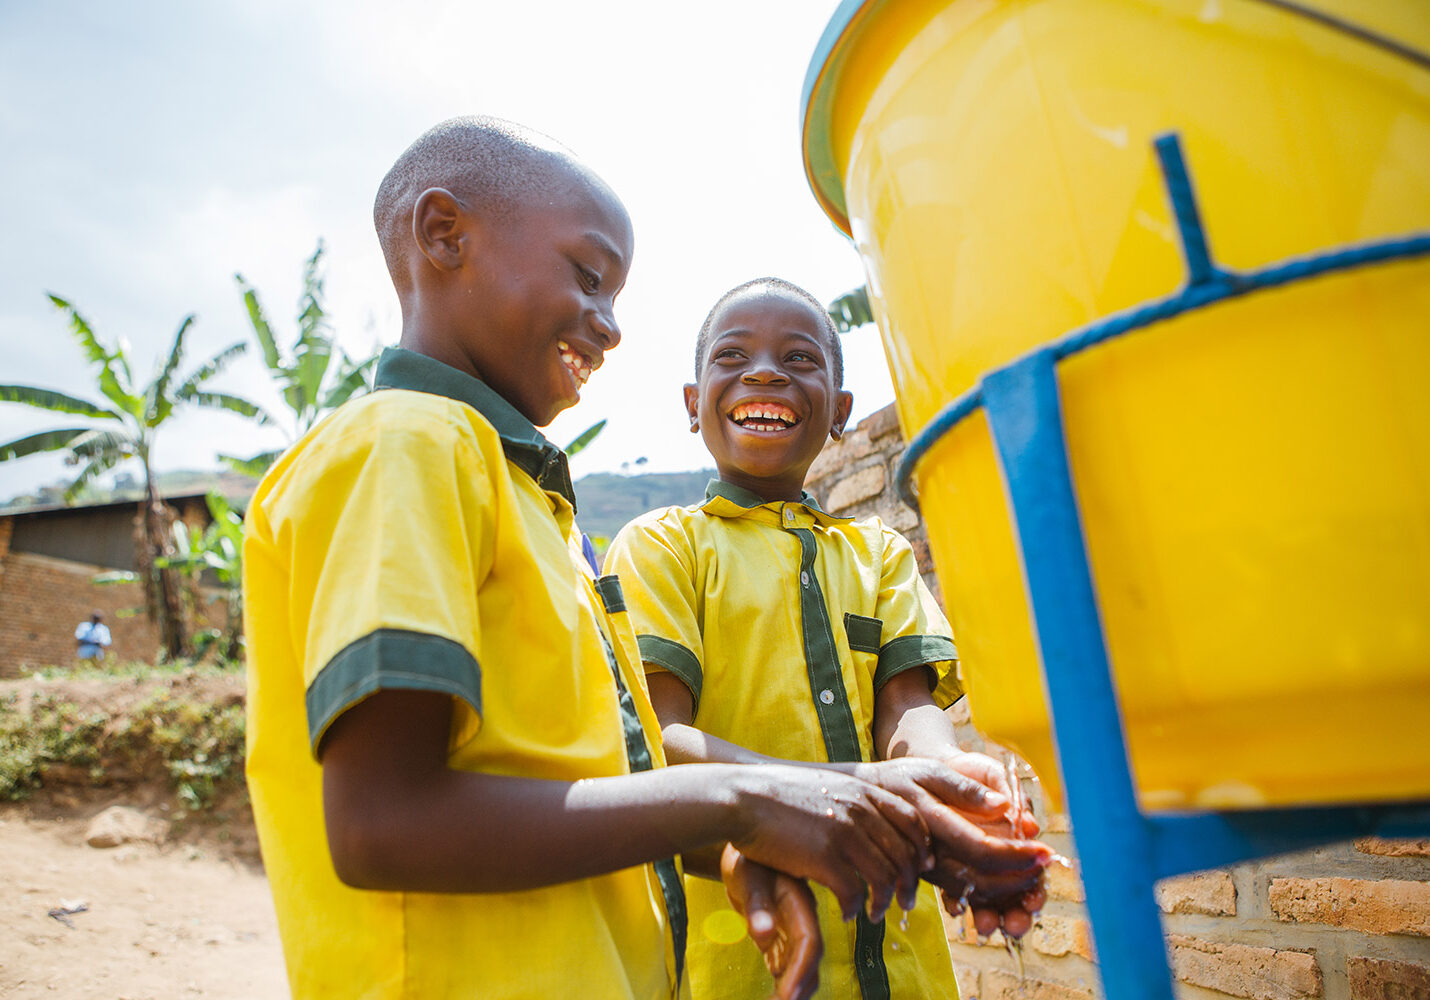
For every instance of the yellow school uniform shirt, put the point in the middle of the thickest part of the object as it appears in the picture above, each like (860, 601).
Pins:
(422, 537)
(785, 622)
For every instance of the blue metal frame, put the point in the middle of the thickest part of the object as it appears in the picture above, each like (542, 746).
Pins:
(1122, 852)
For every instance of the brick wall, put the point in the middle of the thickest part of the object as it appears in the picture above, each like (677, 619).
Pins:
(1344, 922)
(42, 599)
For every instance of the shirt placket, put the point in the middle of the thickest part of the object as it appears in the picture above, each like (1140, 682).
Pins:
(836, 725)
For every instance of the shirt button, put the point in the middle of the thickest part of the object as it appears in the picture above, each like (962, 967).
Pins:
(789, 514)
(803, 579)
(827, 696)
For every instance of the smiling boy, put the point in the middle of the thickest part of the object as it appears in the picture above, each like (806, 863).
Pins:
(454, 765)
(773, 631)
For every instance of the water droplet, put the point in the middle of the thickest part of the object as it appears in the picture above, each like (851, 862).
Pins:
(894, 945)
(829, 812)
(823, 791)
(904, 923)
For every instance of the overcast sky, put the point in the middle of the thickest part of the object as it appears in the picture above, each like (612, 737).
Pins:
(153, 149)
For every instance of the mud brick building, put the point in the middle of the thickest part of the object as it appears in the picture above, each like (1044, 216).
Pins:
(1349, 921)
(49, 557)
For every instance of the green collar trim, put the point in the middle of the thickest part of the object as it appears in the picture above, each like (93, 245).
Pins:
(399, 368)
(746, 500)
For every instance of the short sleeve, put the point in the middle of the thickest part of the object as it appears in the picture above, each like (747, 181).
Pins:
(389, 536)
(652, 557)
(915, 631)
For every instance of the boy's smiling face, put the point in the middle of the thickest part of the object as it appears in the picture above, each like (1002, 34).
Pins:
(551, 285)
(534, 299)
(766, 400)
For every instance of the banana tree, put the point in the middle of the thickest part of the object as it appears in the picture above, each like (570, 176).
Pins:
(851, 310)
(122, 429)
(309, 382)
(218, 549)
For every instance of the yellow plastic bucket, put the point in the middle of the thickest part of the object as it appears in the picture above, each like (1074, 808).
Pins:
(1253, 477)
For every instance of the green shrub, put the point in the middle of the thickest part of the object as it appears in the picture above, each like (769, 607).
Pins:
(198, 746)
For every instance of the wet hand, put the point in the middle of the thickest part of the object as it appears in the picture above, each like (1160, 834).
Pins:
(994, 776)
(840, 831)
(780, 914)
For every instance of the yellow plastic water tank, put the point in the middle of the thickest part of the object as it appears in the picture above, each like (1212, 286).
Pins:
(1253, 477)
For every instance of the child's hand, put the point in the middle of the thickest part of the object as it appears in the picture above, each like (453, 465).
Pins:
(927, 784)
(780, 913)
(978, 859)
(839, 831)
(994, 776)
(1008, 903)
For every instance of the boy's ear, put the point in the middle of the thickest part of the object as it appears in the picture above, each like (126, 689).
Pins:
(843, 403)
(438, 226)
(692, 405)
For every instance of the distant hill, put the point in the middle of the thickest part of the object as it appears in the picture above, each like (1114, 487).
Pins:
(606, 500)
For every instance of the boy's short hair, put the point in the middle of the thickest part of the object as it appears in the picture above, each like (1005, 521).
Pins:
(781, 287)
(497, 164)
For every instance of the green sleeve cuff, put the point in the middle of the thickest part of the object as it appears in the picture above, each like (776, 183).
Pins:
(907, 651)
(674, 657)
(390, 659)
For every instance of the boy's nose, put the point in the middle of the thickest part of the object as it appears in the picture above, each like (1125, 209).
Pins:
(606, 327)
(763, 374)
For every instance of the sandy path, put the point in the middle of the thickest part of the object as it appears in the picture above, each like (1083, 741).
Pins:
(164, 923)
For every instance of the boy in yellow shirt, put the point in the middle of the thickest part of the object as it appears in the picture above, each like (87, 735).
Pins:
(454, 764)
(773, 631)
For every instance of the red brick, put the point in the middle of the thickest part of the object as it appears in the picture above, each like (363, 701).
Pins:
(1058, 936)
(861, 485)
(1063, 883)
(1394, 848)
(1385, 907)
(1211, 893)
(1381, 979)
(1243, 971)
(881, 422)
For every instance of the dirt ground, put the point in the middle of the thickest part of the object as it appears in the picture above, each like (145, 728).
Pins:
(191, 917)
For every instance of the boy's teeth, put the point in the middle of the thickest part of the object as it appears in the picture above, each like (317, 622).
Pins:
(763, 416)
(575, 362)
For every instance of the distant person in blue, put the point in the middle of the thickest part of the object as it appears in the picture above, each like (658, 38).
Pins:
(93, 638)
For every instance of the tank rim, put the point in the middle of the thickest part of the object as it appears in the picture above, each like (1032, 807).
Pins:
(820, 169)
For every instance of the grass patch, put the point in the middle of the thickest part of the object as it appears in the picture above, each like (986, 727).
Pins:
(195, 746)
(88, 670)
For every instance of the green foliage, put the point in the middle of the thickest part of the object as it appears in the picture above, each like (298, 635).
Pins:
(51, 732)
(124, 426)
(585, 437)
(198, 746)
(851, 310)
(219, 550)
(307, 380)
(201, 745)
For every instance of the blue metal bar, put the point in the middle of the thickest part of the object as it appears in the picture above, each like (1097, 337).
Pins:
(1200, 269)
(1115, 846)
(1197, 841)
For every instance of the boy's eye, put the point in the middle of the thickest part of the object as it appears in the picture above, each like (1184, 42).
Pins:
(803, 356)
(590, 280)
(727, 353)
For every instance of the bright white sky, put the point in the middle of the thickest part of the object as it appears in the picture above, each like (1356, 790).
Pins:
(152, 149)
